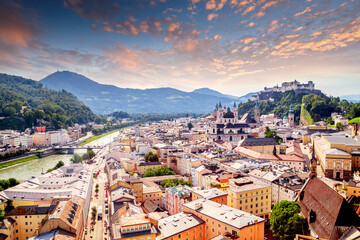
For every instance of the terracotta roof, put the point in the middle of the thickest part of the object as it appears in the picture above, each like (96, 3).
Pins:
(223, 180)
(329, 208)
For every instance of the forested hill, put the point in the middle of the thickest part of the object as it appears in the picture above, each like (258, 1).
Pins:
(55, 109)
(319, 107)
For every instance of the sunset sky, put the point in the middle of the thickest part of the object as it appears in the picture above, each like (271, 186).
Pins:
(233, 46)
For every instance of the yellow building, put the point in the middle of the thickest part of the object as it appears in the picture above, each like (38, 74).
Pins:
(137, 187)
(144, 166)
(28, 219)
(128, 164)
(135, 227)
(152, 192)
(335, 154)
(250, 196)
(263, 145)
(353, 187)
(222, 184)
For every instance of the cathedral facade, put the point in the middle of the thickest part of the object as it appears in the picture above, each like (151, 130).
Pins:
(226, 126)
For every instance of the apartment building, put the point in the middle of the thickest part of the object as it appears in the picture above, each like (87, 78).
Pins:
(134, 227)
(212, 194)
(250, 196)
(181, 226)
(220, 219)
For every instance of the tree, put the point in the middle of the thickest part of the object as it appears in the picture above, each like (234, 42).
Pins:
(285, 220)
(339, 126)
(151, 157)
(9, 206)
(76, 158)
(4, 184)
(93, 212)
(190, 126)
(172, 183)
(85, 156)
(13, 182)
(59, 164)
(91, 154)
(272, 134)
(149, 173)
(2, 215)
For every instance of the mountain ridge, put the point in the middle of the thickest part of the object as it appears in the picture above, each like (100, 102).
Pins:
(102, 98)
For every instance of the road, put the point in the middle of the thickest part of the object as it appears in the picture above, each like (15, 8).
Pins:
(99, 231)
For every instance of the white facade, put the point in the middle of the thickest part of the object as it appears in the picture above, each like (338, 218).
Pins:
(51, 138)
(25, 140)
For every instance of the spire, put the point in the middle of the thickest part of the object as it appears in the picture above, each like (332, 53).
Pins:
(313, 164)
(216, 106)
(313, 154)
(291, 111)
(274, 151)
(234, 104)
(220, 106)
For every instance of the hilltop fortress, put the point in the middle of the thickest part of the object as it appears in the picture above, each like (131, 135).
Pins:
(269, 93)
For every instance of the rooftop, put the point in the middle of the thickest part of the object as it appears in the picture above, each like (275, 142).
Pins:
(210, 193)
(177, 223)
(223, 213)
(258, 142)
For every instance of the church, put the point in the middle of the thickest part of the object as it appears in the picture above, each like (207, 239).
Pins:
(226, 126)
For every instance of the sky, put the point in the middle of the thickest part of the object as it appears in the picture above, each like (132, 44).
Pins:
(232, 46)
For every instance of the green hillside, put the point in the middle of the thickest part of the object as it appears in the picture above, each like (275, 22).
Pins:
(55, 109)
(312, 107)
(355, 120)
(306, 116)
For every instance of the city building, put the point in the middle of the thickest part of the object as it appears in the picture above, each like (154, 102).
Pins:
(251, 196)
(142, 167)
(183, 226)
(226, 127)
(220, 219)
(337, 154)
(212, 194)
(137, 226)
(324, 209)
(72, 180)
(174, 197)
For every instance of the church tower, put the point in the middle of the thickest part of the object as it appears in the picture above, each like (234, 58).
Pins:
(291, 117)
(313, 164)
(220, 114)
(236, 113)
(257, 113)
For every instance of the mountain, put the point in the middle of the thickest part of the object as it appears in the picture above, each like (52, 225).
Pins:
(246, 97)
(208, 91)
(25, 102)
(103, 98)
(351, 98)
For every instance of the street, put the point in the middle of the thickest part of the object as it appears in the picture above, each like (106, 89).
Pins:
(99, 230)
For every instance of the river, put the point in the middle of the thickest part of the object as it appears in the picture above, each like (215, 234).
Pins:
(34, 168)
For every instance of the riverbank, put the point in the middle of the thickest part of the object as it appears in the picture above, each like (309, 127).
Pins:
(90, 139)
(17, 161)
